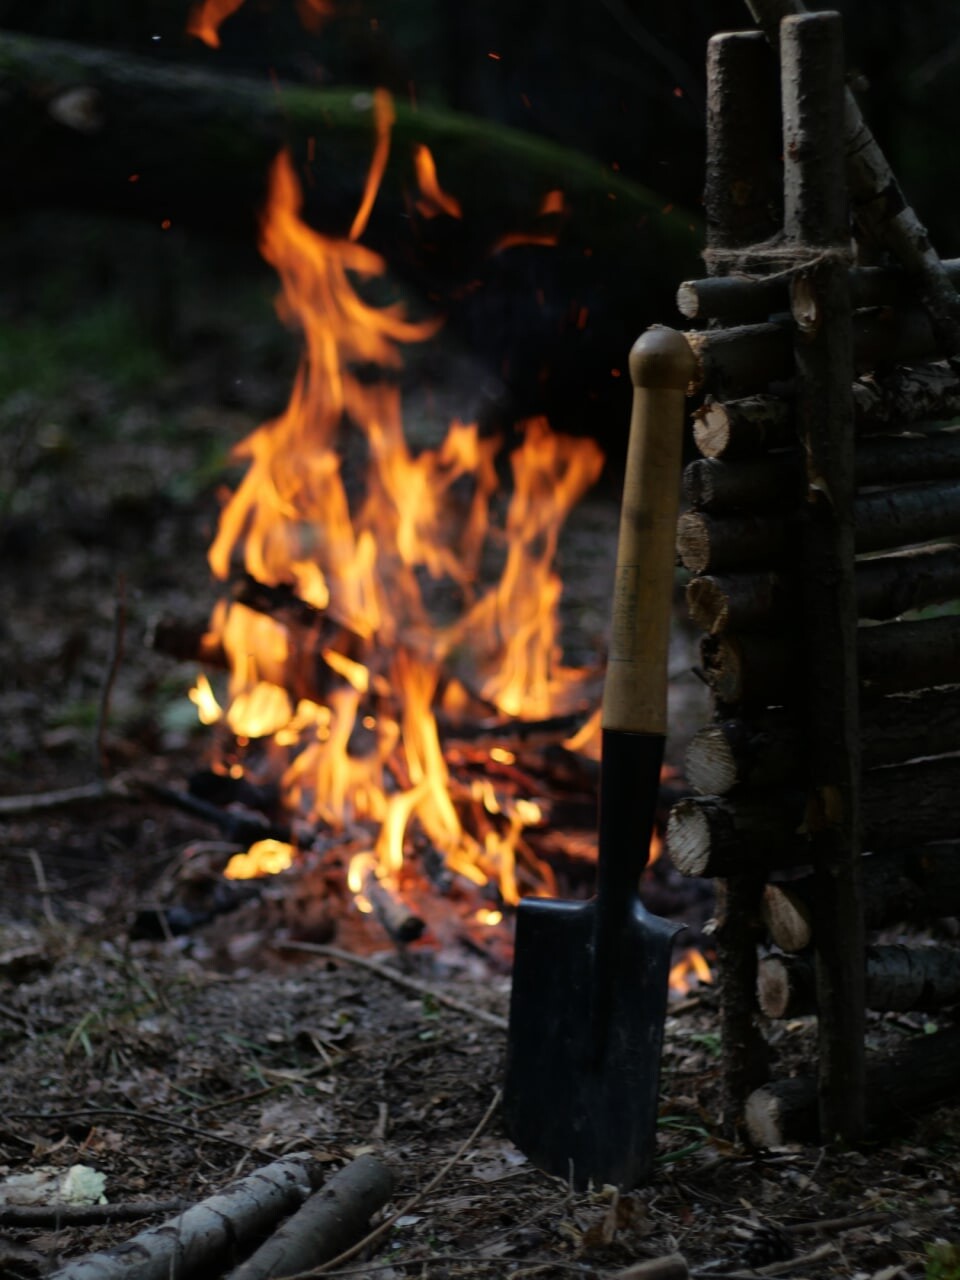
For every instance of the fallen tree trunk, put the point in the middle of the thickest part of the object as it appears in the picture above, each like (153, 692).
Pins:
(80, 124)
(919, 1075)
(898, 978)
(208, 1237)
(329, 1221)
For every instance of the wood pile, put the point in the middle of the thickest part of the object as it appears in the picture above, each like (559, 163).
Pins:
(822, 539)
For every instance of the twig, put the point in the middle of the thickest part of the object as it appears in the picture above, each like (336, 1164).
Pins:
(384, 1227)
(83, 1215)
(44, 888)
(101, 764)
(772, 1268)
(399, 979)
(115, 789)
(150, 1118)
(850, 1221)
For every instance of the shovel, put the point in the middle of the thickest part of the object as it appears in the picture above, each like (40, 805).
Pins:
(589, 996)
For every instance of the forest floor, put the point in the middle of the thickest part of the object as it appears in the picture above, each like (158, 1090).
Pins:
(174, 1064)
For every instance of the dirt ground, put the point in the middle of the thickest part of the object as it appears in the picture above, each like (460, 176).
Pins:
(174, 1064)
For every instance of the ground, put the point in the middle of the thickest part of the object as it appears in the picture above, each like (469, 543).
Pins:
(175, 1064)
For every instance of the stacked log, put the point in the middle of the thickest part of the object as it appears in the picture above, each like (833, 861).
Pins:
(822, 538)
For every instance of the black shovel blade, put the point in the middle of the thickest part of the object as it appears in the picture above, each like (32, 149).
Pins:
(583, 1106)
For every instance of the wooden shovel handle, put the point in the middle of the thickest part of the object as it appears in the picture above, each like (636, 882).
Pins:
(635, 690)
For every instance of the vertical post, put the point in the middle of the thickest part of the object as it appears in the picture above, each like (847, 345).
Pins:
(743, 200)
(816, 221)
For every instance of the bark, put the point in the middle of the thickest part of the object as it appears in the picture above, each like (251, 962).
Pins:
(743, 428)
(737, 299)
(329, 1221)
(750, 671)
(709, 544)
(769, 482)
(913, 513)
(898, 979)
(767, 750)
(915, 394)
(899, 656)
(904, 885)
(737, 601)
(207, 1237)
(771, 829)
(920, 1075)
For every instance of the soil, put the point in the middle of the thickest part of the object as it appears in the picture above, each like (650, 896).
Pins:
(175, 1063)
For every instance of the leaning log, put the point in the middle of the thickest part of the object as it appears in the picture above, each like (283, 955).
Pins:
(898, 979)
(901, 805)
(920, 1075)
(208, 1237)
(767, 750)
(327, 1223)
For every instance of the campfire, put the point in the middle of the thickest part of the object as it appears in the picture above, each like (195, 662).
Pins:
(389, 616)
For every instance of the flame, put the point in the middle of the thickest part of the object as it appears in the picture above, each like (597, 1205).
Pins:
(690, 969)
(263, 858)
(433, 199)
(204, 699)
(205, 18)
(368, 545)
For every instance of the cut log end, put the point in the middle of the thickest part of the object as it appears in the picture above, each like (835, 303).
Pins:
(787, 918)
(689, 839)
(710, 760)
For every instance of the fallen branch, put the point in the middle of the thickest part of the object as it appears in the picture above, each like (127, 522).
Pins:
(56, 1216)
(40, 801)
(325, 1224)
(404, 1209)
(205, 1238)
(399, 979)
(144, 1117)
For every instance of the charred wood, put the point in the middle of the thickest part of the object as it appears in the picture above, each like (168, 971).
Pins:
(398, 921)
(917, 1076)
(242, 825)
(898, 979)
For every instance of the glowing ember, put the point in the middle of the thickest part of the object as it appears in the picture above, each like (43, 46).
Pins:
(264, 858)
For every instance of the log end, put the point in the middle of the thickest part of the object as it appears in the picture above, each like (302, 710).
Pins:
(709, 762)
(783, 1112)
(689, 838)
(711, 428)
(787, 919)
(693, 542)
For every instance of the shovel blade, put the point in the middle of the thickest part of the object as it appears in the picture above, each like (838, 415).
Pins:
(581, 1100)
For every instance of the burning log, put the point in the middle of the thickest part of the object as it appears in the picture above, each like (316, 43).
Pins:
(207, 1237)
(918, 1076)
(758, 484)
(886, 519)
(767, 750)
(753, 670)
(738, 299)
(714, 835)
(898, 979)
(397, 919)
(329, 1221)
(914, 885)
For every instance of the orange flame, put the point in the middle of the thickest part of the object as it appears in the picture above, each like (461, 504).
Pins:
(364, 554)
(205, 18)
(263, 858)
(690, 969)
(434, 199)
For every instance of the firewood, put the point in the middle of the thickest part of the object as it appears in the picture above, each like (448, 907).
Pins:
(751, 670)
(743, 428)
(672, 1266)
(912, 885)
(915, 393)
(888, 586)
(737, 601)
(898, 978)
(902, 805)
(920, 1075)
(327, 1222)
(766, 750)
(398, 921)
(740, 300)
(883, 520)
(206, 1238)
